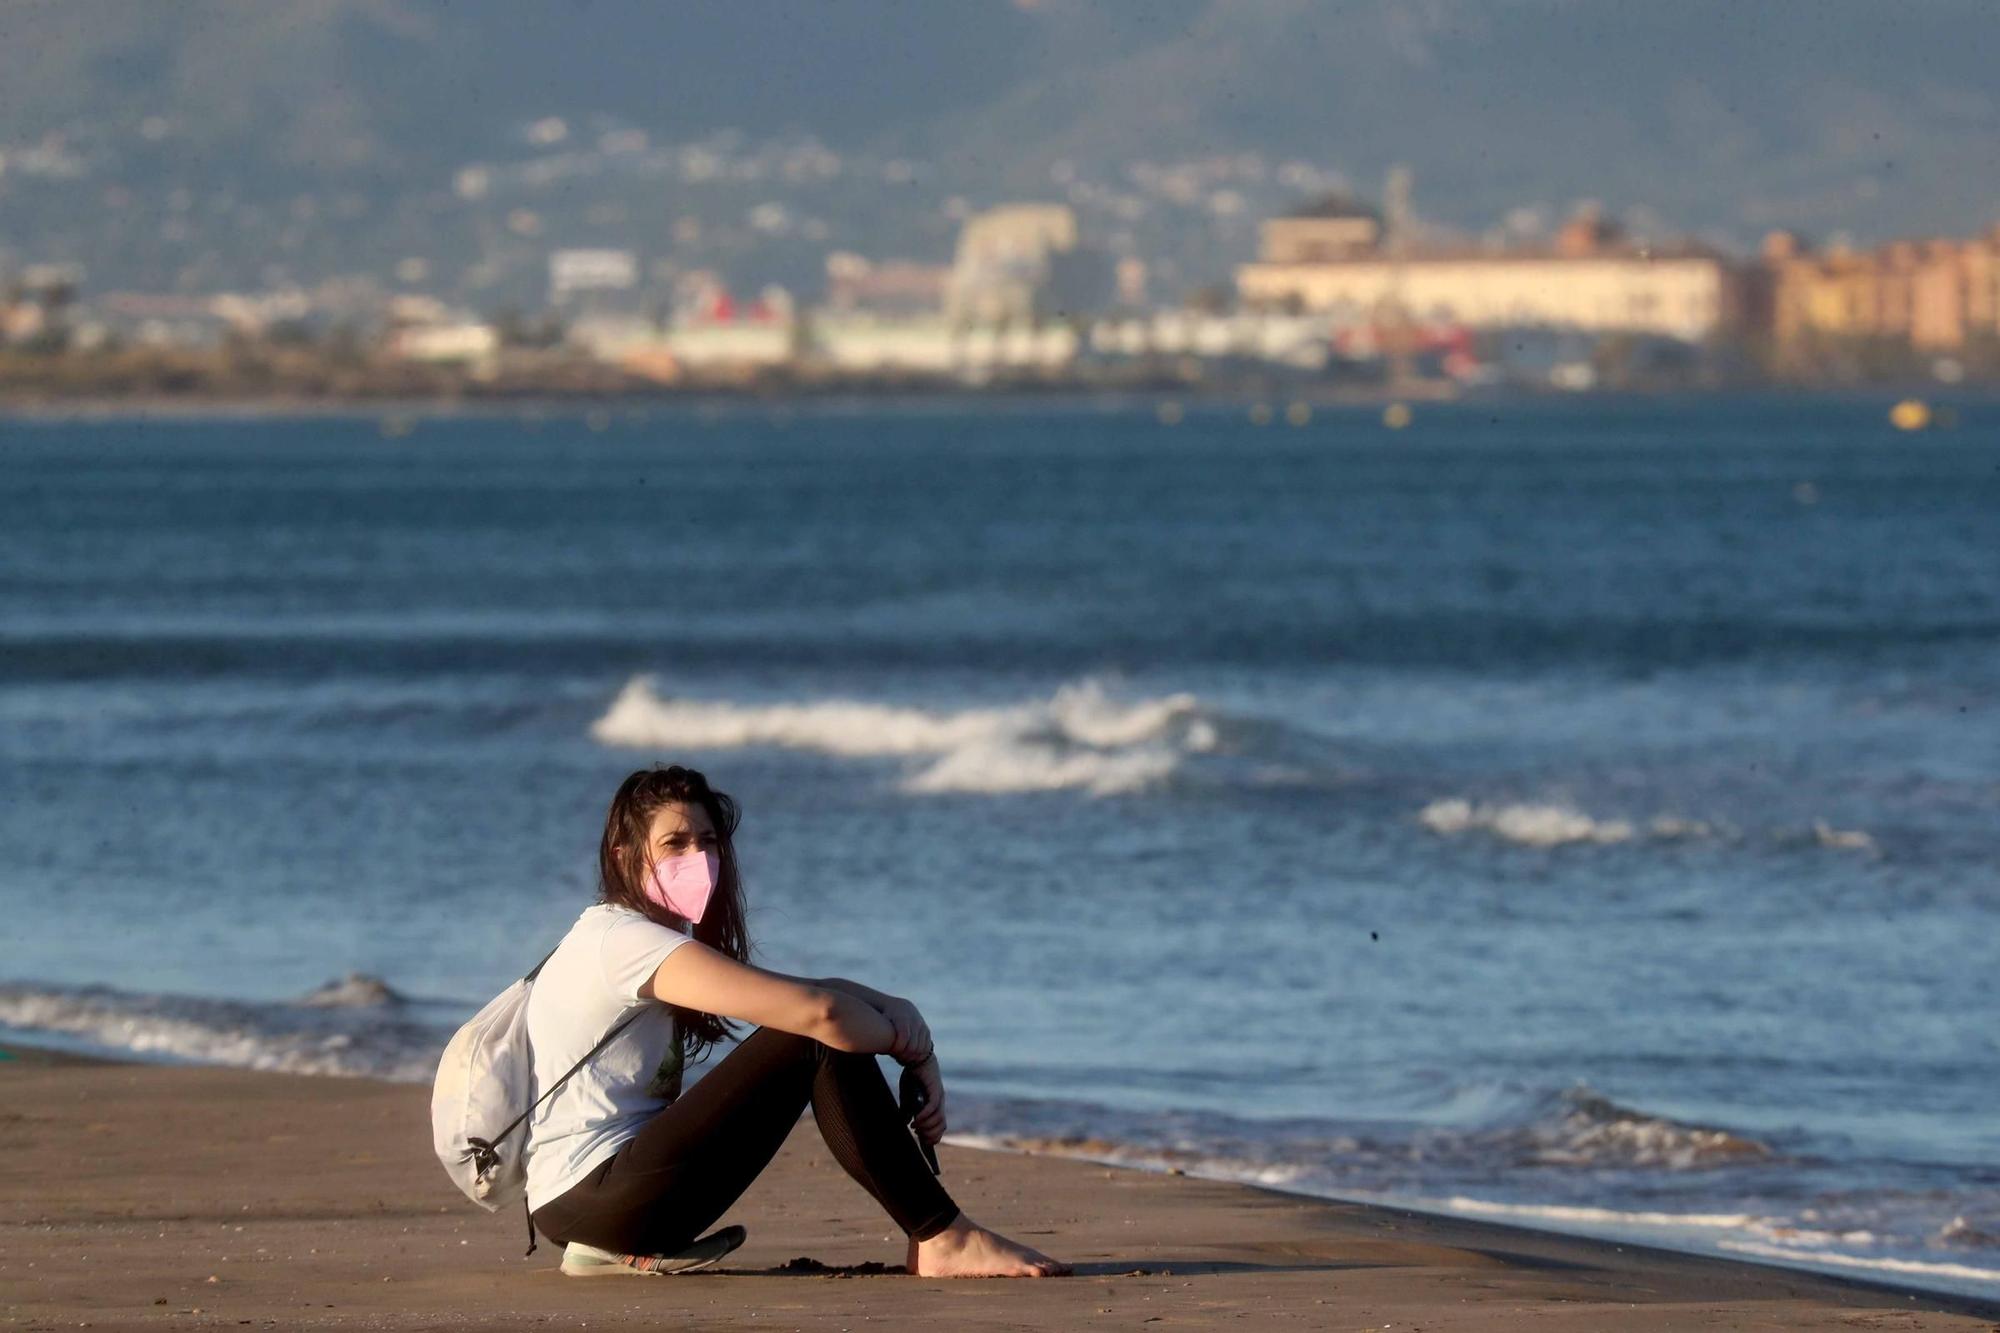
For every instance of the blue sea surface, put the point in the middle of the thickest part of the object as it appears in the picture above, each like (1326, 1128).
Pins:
(1582, 812)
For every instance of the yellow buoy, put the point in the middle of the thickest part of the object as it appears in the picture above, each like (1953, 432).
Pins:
(1910, 414)
(1299, 413)
(1260, 414)
(1169, 413)
(1396, 416)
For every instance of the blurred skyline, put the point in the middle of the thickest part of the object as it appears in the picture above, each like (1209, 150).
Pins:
(210, 144)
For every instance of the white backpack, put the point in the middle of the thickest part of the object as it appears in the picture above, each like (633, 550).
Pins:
(481, 1096)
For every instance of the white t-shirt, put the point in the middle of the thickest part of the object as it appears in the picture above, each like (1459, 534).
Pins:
(590, 983)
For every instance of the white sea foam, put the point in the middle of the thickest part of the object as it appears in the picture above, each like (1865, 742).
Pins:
(1871, 1263)
(1593, 1216)
(1079, 738)
(1668, 826)
(1529, 825)
(307, 1036)
(1532, 824)
(1845, 839)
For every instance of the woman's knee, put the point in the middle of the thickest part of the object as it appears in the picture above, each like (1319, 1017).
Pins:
(788, 1046)
(825, 1056)
(795, 1044)
(834, 1055)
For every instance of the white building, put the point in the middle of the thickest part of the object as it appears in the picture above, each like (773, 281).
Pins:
(1025, 264)
(575, 271)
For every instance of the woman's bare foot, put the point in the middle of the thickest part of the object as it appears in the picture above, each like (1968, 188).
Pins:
(966, 1249)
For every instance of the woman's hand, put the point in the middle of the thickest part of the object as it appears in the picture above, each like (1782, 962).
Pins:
(929, 1122)
(913, 1035)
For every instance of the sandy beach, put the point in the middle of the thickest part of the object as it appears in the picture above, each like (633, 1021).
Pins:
(148, 1196)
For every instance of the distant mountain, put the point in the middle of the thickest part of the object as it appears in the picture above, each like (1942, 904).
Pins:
(238, 142)
(1873, 116)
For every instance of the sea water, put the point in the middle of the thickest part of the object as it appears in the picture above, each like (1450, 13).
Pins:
(1577, 812)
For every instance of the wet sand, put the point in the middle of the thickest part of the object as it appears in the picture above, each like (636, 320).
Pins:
(150, 1196)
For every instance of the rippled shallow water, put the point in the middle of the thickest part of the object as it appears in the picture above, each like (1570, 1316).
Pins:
(1580, 813)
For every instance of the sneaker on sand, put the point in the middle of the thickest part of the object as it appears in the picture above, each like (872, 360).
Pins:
(580, 1260)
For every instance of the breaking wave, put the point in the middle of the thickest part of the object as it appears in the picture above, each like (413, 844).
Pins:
(1575, 1130)
(1884, 1265)
(1080, 738)
(357, 990)
(1574, 1161)
(359, 1026)
(1534, 824)
(1592, 1131)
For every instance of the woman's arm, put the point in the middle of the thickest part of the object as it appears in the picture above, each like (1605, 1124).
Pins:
(913, 1034)
(855, 988)
(880, 999)
(695, 976)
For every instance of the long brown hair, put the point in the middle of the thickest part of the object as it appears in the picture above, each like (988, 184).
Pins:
(621, 870)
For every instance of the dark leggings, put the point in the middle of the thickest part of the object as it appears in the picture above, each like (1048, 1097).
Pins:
(669, 1183)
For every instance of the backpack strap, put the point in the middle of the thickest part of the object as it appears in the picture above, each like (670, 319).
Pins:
(485, 1147)
(485, 1151)
(538, 966)
(555, 1087)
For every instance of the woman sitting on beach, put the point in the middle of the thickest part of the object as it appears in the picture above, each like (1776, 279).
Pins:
(624, 1170)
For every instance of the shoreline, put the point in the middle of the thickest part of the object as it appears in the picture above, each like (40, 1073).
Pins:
(555, 406)
(263, 1164)
(1865, 1278)
(1521, 1217)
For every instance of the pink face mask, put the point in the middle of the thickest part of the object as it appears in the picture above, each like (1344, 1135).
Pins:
(683, 884)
